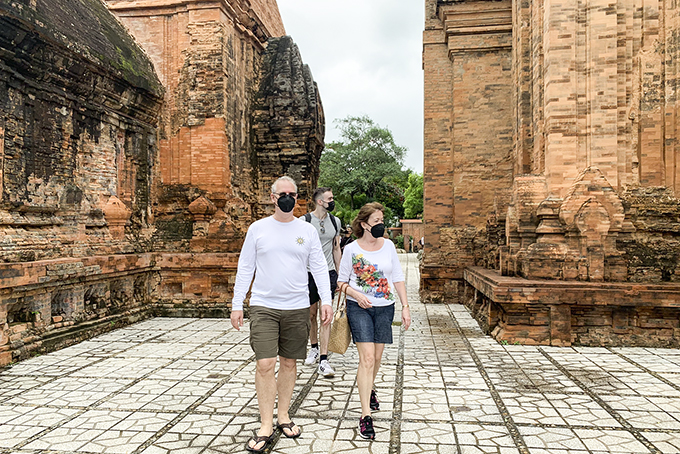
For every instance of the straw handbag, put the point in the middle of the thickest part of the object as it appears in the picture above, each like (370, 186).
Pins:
(340, 335)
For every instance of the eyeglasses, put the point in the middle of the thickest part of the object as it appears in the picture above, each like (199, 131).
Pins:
(323, 230)
(282, 194)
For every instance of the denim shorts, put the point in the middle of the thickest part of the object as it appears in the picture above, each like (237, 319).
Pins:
(370, 325)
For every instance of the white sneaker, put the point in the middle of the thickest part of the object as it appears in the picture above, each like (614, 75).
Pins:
(325, 369)
(312, 357)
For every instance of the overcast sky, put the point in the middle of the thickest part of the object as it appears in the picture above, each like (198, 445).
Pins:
(365, 55)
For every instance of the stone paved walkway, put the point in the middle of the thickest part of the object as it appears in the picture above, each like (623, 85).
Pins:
(171, 385)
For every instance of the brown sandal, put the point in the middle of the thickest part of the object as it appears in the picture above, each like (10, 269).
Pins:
(289, 426)
(258, 439)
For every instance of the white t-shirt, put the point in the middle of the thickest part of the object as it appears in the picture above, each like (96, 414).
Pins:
(372, 272)
(278, 254)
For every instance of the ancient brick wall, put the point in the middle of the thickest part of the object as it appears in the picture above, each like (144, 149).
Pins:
(219, 136)
(79, 106)
(121, 198)
(468, 133)
(282, 147)
(574, 181)
(208, 56)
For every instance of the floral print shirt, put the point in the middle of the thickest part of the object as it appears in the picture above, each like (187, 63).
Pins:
(372, 272)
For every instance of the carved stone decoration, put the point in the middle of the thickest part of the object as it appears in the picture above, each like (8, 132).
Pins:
(592, 184)
(202, 209)
(576, 238)
(593, 223)
(520, 229)
(117, 216)
(593, 216)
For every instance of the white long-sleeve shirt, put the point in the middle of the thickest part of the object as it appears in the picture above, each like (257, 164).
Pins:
(278, 255)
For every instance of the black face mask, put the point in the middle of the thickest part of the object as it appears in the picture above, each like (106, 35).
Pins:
(331, 205)
(378, 230)
(286, 203)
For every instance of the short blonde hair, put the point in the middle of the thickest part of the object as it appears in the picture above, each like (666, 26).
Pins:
(283, 178)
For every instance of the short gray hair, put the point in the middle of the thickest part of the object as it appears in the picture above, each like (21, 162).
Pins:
(284, 178)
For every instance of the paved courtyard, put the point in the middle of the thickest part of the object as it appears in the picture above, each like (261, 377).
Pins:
(171, 385)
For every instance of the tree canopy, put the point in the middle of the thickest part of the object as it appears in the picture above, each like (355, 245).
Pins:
(413, 198)
(365, 165)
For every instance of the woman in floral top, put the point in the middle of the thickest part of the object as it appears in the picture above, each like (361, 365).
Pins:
(372, 274)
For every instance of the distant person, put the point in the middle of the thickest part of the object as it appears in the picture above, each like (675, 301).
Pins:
(371, 272)
(328, 228)
(277, 250)
(346, 238)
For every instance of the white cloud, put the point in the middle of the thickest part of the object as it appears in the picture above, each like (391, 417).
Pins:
(365, 55)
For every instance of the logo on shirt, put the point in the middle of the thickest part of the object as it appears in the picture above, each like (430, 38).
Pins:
(300, 241)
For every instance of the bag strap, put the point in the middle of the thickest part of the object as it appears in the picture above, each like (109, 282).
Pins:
(334, 224)
(342, 296)
(308, 218)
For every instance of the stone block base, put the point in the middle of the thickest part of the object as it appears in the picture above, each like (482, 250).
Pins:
(439, 284)
(562, 313)
(49, 304)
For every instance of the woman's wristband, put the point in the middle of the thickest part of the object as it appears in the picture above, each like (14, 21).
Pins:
(404, 306)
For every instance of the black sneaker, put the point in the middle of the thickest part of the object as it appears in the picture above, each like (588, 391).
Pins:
(375, 405)
(366, 428)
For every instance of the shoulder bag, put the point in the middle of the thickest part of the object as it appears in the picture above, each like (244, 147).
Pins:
(340, 333)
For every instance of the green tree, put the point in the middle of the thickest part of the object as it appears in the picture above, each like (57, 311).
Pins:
(413, 198)
(365, 165)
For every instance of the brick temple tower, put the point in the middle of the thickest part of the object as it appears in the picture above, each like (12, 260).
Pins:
(138, 140)
(551, 175)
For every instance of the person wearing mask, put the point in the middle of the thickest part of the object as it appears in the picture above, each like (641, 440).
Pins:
(276, 251)
(347, 238)
(327, 226)
(371, 273)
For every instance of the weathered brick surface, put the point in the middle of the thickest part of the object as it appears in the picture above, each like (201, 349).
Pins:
(550, 312)
(571, 152)
(73, 135)
(288, 124)
(218, 61)
(125, 194)
(468, 130)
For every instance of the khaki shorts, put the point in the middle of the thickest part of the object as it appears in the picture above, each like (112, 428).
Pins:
(274, 332)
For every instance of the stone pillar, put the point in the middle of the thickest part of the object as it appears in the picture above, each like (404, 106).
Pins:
(560, 325)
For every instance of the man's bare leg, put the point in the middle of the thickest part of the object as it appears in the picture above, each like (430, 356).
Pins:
(324, 335)
(265, 387)
(314, 328)
(285, 384)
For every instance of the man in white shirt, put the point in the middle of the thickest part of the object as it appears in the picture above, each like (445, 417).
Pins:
(328, 227)
(278, 250)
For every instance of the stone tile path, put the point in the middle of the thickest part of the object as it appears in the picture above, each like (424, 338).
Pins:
(171, 385)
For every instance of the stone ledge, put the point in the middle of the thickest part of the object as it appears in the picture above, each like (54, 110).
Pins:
(506, 289)
(562, 313)
(57, 271)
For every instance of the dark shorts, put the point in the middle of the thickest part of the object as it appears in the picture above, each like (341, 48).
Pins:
(275, 332)
(370, 325)
(314, 292)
